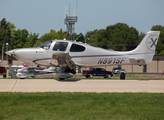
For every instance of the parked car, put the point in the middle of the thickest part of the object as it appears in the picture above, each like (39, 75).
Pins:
(97, 72)
(121, 71)
(115, 69)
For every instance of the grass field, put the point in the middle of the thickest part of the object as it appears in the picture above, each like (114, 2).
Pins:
(81, 106)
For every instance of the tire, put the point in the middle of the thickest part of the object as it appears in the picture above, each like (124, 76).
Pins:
(105, 76)
(109, 76)
(87, 76)
(91, 76)
(61, 78)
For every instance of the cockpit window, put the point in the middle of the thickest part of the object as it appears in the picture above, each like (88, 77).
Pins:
(46, 45)
(77, 48)
(60, 46)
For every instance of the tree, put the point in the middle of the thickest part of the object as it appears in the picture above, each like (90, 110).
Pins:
(22, 39)
(4, 25)
(118, 37)
(5, 32)
(141, 36)
(91, 35)
(122, 37)
(31, 40)
(12, 27)
(51, 36)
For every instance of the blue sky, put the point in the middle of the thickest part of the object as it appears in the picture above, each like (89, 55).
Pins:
(39, 16)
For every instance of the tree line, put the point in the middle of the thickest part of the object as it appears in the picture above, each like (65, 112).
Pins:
(119, 37)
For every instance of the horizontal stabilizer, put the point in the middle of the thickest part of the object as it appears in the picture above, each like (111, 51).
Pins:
(135, 59)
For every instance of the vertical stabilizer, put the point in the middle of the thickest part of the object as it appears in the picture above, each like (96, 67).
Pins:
(146, 49)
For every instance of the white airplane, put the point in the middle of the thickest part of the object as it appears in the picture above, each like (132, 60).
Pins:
(70, 54)
(27, 72)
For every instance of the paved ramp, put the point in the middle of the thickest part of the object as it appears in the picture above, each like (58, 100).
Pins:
(52, 85)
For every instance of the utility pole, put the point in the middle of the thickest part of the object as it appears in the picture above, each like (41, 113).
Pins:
(10, 60)
(2, 52)
(7, 50)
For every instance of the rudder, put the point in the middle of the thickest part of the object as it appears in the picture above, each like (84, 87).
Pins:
(147, 46)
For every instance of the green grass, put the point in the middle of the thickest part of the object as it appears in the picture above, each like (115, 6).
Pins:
(81, 106)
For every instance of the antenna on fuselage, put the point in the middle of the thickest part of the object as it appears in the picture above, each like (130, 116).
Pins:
(78, 37)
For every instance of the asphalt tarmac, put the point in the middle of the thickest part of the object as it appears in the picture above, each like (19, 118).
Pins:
(81, 85)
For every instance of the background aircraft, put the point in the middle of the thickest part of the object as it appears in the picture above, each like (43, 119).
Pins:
(25, 71)
(70, 54)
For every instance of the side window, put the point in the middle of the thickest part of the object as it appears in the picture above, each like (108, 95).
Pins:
(103, 69)
(93, 69)
(77, 48)
(60, 46)
(98, 69)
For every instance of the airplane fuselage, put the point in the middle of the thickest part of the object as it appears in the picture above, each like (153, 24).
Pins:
(87, 55)
(69, 54)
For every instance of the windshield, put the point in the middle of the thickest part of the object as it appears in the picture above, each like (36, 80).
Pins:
(46, 45)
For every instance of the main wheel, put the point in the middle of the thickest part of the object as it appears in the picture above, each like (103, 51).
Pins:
(61, 78)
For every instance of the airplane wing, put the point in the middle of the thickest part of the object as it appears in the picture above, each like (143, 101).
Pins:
(23, 73)
(22, 69)
(62, 59)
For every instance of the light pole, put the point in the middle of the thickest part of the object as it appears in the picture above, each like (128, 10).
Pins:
(10, 60)
(7, 50)
(12, 42)
(86, 39)
(2, 52)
